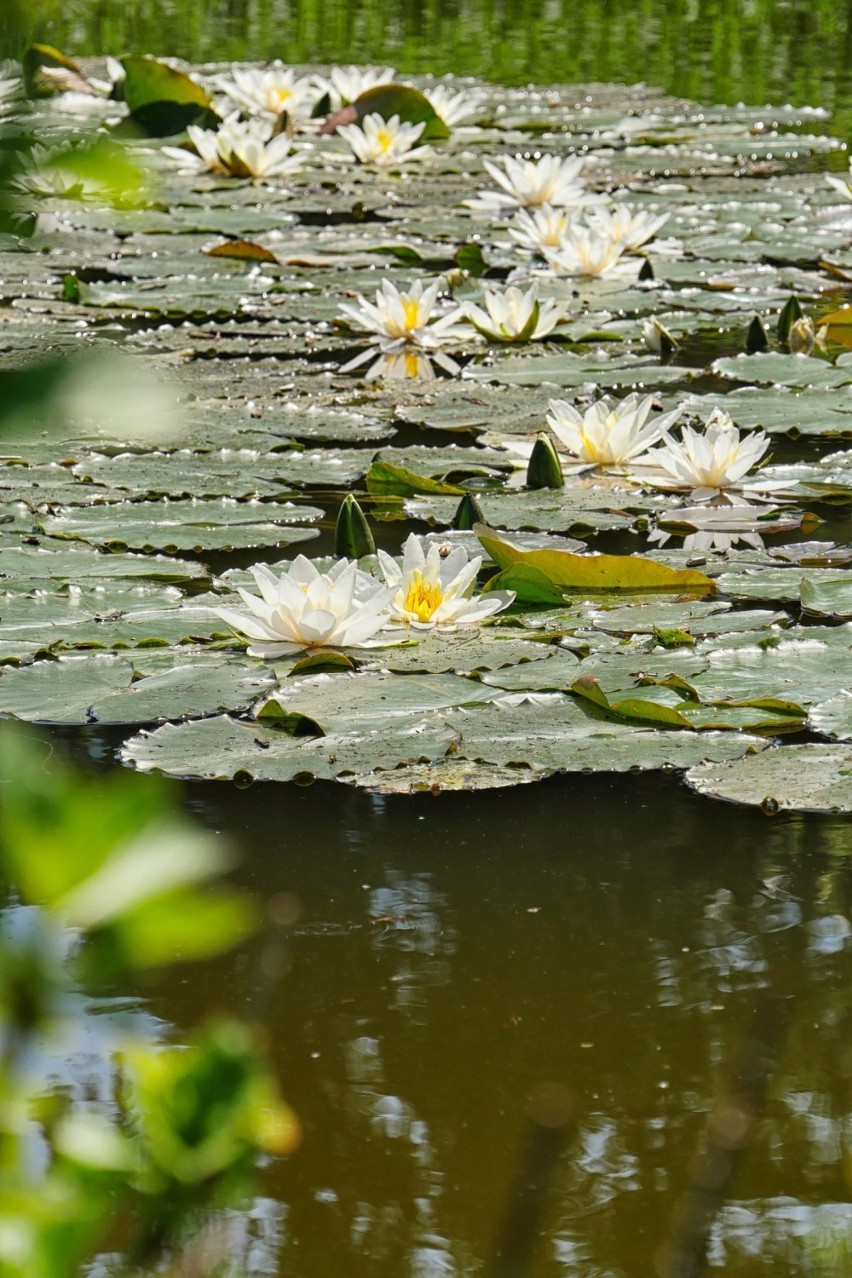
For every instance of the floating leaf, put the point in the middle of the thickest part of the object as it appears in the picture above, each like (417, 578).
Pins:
(408, 103)
(797, 778)
(148, 79)
(594, 572)
(827, 597)
(386, 480)
(529, 583)
(242, 251)
(47, 71)
(833, 718)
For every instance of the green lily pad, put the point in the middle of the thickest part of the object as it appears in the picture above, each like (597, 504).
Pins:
(103, 688)
(827, 596)
(466, 650)
(408, 103)
(594, 572)
(796, 778)
(185, 525)
(833, 718)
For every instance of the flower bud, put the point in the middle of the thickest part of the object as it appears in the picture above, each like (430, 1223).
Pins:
(790, 312)
(801, 337)
(352, 536)
(544, 469)
(468, 513)
(658, 339)
(757, 338)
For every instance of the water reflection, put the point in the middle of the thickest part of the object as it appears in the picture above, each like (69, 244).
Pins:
(611, 938)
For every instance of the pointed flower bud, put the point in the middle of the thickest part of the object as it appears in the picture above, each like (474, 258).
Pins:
(468, 513)
(790, 312)
(544, 469)
(757, 338)
(352, 536)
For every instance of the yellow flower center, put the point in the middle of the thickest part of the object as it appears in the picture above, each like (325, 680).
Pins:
(423, 598)
(279, 96)
(412, 364)
(384, 139)
(411, 309)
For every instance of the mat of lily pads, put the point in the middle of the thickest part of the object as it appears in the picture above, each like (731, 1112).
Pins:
(171, 416)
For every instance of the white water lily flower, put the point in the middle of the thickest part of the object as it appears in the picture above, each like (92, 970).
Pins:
(609, 435)
(717, 458)
(584, 251)
(267, 92)
(843, 185)
(515, 316)
(530, 183)
(431, 590)
(540, 228)
(241, 149)
(658, 339)
(344, 84)
(11, 91)
(384, 142)
(396, 320)
(451, 107)
(304, 608)
(629, 229)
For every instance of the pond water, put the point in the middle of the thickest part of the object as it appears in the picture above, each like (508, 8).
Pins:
(610, 952)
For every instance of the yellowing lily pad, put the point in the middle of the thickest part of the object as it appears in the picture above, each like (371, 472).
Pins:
(594, 572)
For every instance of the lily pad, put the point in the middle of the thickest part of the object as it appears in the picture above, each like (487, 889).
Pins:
(103, 688)
(796, 778)
(594, 572)
(185, 525)
(833, 718)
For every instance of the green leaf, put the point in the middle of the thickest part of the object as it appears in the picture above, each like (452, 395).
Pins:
(470, 258)
(386, 480)
(630, 708)
(594, 572)
(148, 80)
(165, 119)
(242, 251)
(530, 585)
(408, 103)
(797, 778)
(47, 71)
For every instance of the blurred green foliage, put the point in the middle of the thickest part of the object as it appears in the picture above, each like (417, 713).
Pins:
(725, 50)
(108, 879)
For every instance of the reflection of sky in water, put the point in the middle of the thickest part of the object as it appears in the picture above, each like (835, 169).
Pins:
(235, 1244)
(76, 1055)
(408, 918)
(611, 943)
(780, 1228)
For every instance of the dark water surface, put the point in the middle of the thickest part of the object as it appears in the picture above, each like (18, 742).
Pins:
(430, 963)
(619, 938)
